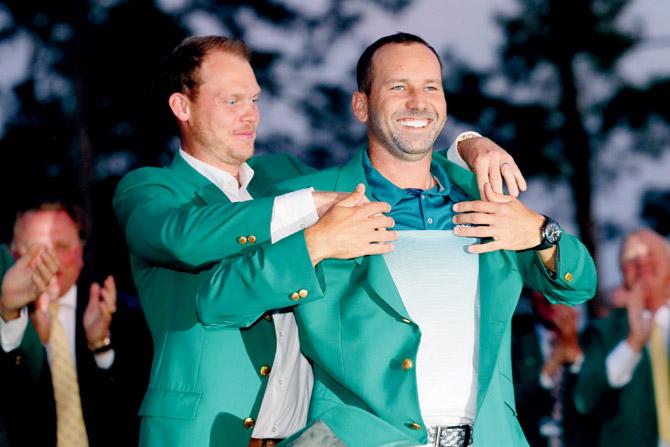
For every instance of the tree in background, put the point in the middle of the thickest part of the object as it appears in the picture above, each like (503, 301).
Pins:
(88, 109)
(556, 98)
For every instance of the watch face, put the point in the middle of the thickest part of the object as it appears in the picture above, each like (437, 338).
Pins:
(552, 232)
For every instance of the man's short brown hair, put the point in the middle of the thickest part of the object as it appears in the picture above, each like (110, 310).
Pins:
(180, 68)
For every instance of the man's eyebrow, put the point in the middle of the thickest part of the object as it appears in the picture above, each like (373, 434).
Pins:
(427, 81)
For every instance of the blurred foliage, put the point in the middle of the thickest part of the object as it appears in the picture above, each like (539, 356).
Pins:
(88, 109)
(539, 100)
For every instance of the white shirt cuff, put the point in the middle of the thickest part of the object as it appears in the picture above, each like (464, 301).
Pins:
(12, 332)
(620, 364)
(292, 212)
(105, 359)
(452, 153)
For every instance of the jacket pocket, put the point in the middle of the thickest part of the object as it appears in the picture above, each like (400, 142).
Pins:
(170, 404)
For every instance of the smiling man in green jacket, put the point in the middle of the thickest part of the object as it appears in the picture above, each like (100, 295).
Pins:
(226, 386)
(414, 345)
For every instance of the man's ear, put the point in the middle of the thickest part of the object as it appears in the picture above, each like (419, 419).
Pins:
(180, 106)
(359, 105)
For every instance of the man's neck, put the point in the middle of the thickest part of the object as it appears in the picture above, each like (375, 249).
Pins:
(207, 158)
(403, 173)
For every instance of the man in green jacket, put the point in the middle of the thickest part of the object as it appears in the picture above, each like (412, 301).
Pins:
(621, 383)
(22, 283)
(375, 385)
(214, 386)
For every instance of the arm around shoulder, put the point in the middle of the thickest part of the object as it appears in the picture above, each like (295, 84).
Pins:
(171, 224)
(240, 289)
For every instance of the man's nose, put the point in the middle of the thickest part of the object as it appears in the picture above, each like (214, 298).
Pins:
(251, 114)
(416, 100)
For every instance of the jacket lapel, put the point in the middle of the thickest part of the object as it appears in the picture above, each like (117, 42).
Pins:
(204, 189)
(497, 290)
(374, 268)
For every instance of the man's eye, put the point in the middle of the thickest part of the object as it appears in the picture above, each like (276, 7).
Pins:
(231, 102)
(431, 88)
(398, 88)
(255, 100)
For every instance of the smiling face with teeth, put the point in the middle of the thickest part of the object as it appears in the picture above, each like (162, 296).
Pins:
(406, 109)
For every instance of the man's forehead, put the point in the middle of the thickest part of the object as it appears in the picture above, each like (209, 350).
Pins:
(394, 61)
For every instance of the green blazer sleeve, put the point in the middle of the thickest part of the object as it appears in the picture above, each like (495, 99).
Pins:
(240, 289)
(26, 361)
(167, 224)
(575, 279)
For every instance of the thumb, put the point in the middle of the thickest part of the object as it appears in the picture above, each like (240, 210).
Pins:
(355, 198)
(491, 196)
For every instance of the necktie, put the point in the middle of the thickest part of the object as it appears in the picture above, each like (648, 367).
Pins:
(70, 428)
(661, 377)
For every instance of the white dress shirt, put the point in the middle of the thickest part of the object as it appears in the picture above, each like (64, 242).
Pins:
(285, 404)
(622, 360)
(12, 332)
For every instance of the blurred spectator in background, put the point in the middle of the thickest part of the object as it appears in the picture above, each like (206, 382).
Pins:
(624, 380)
(23, 282)
(96, 341)
(546, 358)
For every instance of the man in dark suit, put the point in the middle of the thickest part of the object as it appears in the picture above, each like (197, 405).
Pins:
(97, 345)
(546, 358)
(624, 379)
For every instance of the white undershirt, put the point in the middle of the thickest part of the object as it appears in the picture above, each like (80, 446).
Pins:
(285, 405)
(622, 360)
(421, 265)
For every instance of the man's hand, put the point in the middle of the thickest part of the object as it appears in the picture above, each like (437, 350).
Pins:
(350, 229)
(506, 220)
(325, 200)
(491, 164)
(40, 316)
(26, 280)
(98, 313)
(510, 223)
(639, 319)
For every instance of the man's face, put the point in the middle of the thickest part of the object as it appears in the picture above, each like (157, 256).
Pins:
(645, 261)
(406, 108)
(57, 231)
(223, 116)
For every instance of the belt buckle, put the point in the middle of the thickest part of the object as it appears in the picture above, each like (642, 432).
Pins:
(450, 436)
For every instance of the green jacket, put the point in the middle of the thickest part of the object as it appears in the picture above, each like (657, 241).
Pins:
(204, 381)
(20, 367)
(358, 333)
(626, 415)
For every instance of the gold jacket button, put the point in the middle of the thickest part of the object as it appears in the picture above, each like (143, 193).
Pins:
(295, 296)
(414, 426)
(18, 360)
(303, 293)
(249, 422)
(568, 277)
(407, 364)
(242, 240)
(264, 370)
(251, 239)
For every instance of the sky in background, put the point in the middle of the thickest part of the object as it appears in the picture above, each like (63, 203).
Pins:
(466, 29)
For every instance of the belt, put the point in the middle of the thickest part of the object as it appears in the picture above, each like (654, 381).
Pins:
(452, 436)
(266, 442)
